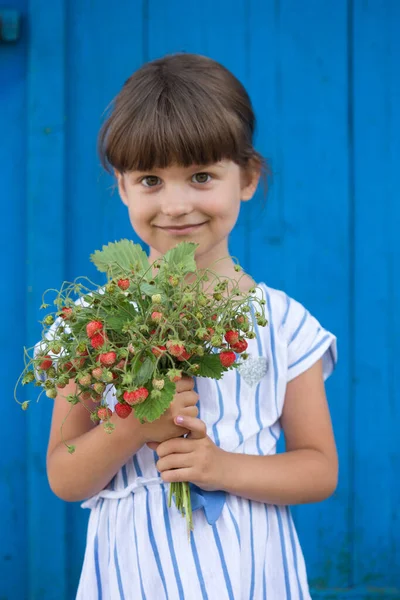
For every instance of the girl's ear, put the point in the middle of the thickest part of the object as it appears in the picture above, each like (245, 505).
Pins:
(121, 186)
(250, 178)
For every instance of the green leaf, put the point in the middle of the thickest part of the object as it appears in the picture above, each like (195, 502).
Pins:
(152, 408)
(149, 290)
(210, 366)
(145, 372)
(119, 258)
(181, 258)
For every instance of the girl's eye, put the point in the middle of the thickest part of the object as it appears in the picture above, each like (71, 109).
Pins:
(150, 181)
(201, 178)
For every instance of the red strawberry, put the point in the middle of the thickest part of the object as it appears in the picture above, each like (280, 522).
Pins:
(123, 284)
(136, 397)
(66, 312)
(227, 358)
(78, 363)
(130, 398)
(156, 316)
(46, 363)
(68, 368)
(104, 413)
(175, 347)
(123, 410)
(97, 373)
(121, 364)
(232, 337)
(92, 327)
(107, 359)
(240, 346)
(158, 350)
(240, 319)
(184, 356)
(98, 340)
(142, 393)
(214, 317)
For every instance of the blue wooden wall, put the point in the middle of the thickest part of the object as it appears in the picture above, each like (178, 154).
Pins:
(325, 81)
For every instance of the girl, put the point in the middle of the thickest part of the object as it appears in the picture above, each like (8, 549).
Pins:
(179, 140)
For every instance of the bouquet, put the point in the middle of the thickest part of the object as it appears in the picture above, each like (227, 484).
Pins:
(137, 335)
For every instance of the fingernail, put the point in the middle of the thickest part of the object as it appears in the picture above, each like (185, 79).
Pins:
(179, 420)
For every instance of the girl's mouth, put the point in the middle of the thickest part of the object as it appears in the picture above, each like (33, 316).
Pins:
(183, 229)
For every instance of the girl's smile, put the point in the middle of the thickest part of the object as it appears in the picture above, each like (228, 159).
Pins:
(182, 230)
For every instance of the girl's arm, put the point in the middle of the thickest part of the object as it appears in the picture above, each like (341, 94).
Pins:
(306, 472)
(99, 455)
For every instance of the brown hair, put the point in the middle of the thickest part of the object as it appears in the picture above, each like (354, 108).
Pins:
(184, 109)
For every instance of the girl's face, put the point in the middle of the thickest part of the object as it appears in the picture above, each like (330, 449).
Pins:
(198, 204)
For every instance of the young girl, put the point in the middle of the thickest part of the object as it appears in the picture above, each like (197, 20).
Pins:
(179, 140)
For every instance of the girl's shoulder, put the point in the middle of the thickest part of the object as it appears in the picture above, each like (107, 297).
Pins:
(300, 333)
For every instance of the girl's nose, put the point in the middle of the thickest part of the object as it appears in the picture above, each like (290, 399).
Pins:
(176, 203)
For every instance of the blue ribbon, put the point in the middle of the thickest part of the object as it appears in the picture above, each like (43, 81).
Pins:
(211, 502)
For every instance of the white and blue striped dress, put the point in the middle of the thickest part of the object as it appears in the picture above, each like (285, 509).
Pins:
(137, 547)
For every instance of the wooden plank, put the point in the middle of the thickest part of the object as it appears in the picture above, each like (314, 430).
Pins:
(45, 268)
(377, 268)
(312, 108)
(105, 46)
(12, 306)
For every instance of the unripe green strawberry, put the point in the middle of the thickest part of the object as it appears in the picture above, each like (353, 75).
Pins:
(123, 410)
(123, 284)
(237, 268)
(107, 376)
(244, 356)
(156, 298)
(173, 280)
(261, 322)
(51, 393)
(28, 377)
(201, 333)
(49, 320)
(155, 394)
(216, 341)
(199, 351)
(227, 358)
(48, 384)
(202, 300)
(174, 375)
(99, 387)
(55, 348)
(158, 383)
(217, 296)
(194, 368)
(104, 413)
(241, 319)
(51, 372)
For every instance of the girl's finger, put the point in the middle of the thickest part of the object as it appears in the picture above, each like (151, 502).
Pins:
(174, 461)
(175, 446)
(177, 475)
(198, 429)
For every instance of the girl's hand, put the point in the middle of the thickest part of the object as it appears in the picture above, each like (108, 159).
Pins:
(195, 458)
(184, 403)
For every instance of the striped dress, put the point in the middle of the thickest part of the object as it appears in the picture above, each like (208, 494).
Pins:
(137, 547)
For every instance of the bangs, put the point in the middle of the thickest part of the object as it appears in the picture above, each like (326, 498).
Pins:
(171, 123)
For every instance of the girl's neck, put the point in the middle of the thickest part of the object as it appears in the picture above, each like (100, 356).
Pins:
(220, 262)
